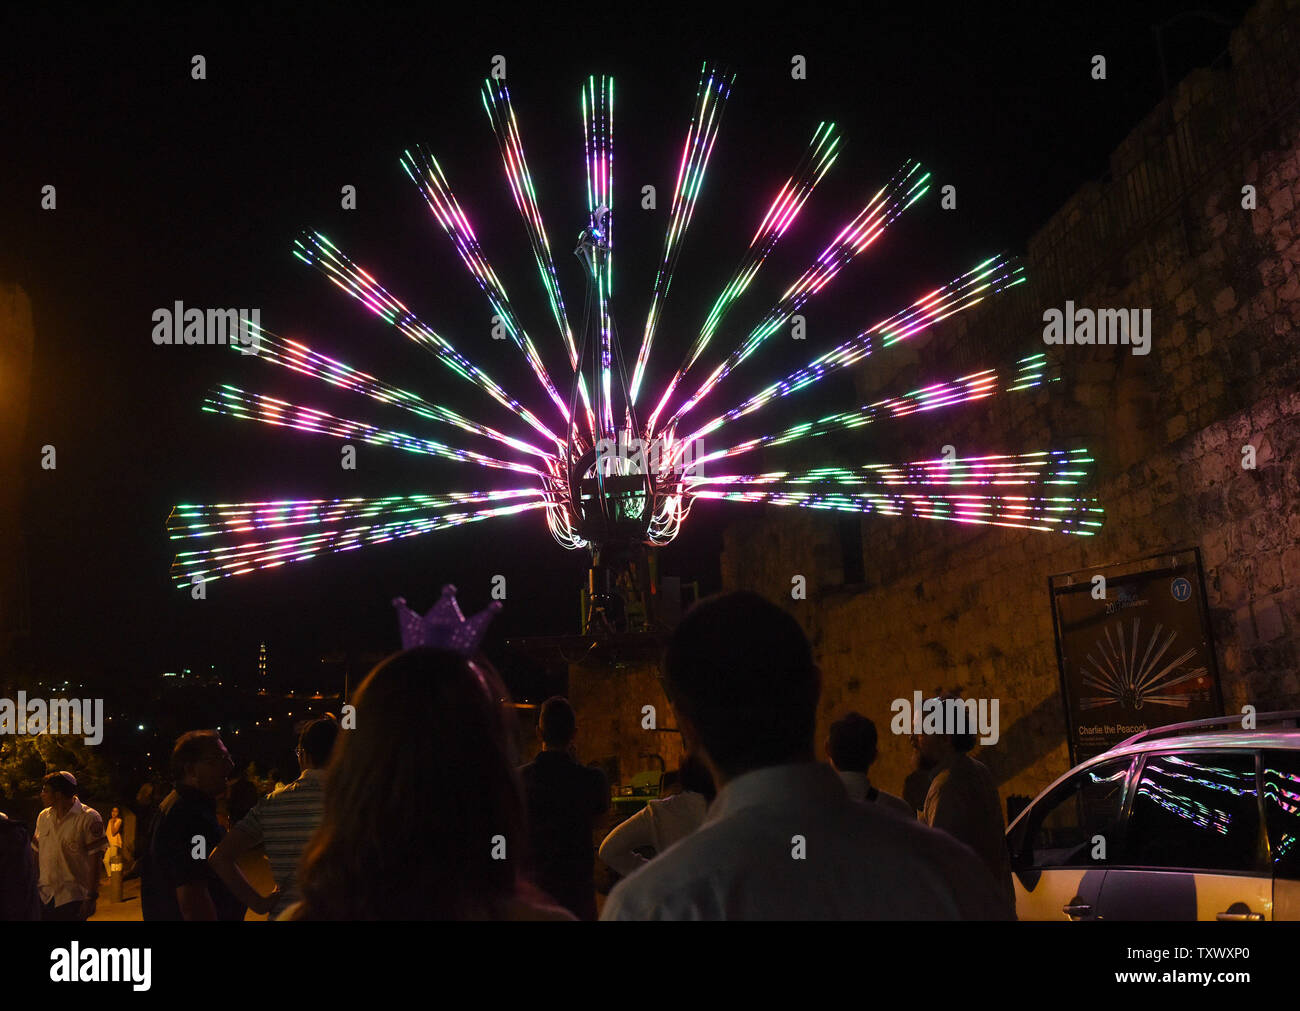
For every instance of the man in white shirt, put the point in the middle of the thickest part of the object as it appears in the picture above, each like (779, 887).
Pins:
(662, 822)
(782, 840)
(851, 747)
(69, 841)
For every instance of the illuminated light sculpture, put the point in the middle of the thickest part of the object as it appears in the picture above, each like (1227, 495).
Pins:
(608, 478)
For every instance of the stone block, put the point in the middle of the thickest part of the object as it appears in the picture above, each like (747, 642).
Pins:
(1283, 237)
(1261, 222)
(1291, 565)
(1268, 575)
(1268, 620)
(1245, 623)
(1280, 201)
(1216, 550)
(1231, 588)
(1289, 170)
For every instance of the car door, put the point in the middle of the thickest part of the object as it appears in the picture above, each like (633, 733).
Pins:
(1280, 785)
(1057, 863)
(1193, 845)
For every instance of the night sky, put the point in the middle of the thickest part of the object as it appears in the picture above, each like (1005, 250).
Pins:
(174, 189)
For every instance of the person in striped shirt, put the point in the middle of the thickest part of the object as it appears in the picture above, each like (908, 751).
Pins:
(283, 822)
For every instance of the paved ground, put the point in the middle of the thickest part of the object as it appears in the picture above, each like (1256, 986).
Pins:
(128, 909)
(255, 867)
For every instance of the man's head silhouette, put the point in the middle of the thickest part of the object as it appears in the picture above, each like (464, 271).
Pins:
(741, 677)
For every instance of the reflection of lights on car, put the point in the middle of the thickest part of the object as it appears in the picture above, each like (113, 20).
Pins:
(1116, 777)
(1247, 778)
(1177, 805)
(1287, 799)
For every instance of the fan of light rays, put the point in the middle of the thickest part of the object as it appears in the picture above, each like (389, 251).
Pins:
(298, 357)
(496, 100)
(714, 88)
(231, 400)
(1120, 678)
(781, 214)
(1028, 373)
(316, 249)
(598, 142)
(424, 169)
(347, 525)
(548, 447)
(908, 186)
(1004, 490)
(963, 293)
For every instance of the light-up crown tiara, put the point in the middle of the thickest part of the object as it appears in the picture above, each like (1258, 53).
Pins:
(444, 627)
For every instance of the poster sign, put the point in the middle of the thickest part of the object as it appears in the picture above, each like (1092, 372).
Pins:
(1135, 652)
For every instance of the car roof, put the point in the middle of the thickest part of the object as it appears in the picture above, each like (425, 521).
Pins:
(1284, 739)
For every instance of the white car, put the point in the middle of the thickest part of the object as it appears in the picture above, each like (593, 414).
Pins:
(1195, 821)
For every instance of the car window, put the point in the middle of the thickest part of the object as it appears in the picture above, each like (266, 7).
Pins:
(1061, 829)
(1281, 781)
(1195, 810)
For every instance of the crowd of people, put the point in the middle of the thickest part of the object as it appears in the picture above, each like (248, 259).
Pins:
(422, 811)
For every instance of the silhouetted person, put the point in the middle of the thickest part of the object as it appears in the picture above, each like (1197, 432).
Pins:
(851, 747)
(242, 794)
(917, 783)
(782, 840)
(963, 801)
(69, 841)
(20, 897)
(283, 823)
(564, 799)
(424, 817)
(146, 817)
(177, 883)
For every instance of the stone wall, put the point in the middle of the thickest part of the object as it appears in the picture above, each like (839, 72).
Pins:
(944, 606)
(609, 700)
